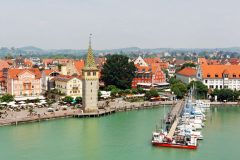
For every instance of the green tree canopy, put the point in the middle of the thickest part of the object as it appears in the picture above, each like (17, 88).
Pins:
(151, 93)
(179, 89)
(118, 71)
(68, 99)
(7, 98)
(225, 94)
(187, 65)
(78, 99)
(201, 90)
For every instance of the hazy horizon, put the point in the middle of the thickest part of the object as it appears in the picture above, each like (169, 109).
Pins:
(66, 24)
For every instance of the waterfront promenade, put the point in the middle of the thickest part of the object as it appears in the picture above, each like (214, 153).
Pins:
(41, 114)
(117, 105)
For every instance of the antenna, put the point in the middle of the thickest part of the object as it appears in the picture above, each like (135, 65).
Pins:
(90, 39)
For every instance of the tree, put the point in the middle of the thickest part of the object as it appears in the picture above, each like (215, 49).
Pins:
(179, 89)
(7, 98)
(225, 94)
(200, 89)
(173, 80)
(110, 87)
(115, 92)
(68, 99)
(188, 65)
(140, 90)
(151, 93)
(78, 99)
(118, 71)
(166, 73)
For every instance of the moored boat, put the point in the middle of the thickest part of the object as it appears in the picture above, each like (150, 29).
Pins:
(184, 142)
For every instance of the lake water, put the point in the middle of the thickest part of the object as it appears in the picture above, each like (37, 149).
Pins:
(120, 136)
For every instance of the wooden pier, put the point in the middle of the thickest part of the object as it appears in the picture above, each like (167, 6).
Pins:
(94, 114)
(172, 119)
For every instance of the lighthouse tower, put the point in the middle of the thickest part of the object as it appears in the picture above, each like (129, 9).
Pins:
(90, 83)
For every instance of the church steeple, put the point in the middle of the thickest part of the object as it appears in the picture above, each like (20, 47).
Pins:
(90, 62)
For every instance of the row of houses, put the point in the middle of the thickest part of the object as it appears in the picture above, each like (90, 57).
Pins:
(214, 76)
(21, 79)
(149, 72)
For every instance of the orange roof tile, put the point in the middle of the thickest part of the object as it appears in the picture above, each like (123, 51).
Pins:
(188, 71)
(217, 71)
(13, 72)
(152, 60)
(4, 64)
(49, 71)
(28, 62)
(65, 78)
(79, 64)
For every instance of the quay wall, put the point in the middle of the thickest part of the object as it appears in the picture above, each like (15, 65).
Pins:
(103, 112)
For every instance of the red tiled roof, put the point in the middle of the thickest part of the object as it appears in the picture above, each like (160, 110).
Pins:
(152, 60)
(187, 71)
(217, 71)
(28, 62)
(13, 72)
(4, 64)
(49, 71)
(65, 78)
(79, 64)
(1, 76)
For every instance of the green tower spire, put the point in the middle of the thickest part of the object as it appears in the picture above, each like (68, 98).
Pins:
(90, 62)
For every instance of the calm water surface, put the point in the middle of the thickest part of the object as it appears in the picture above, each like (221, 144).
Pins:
(121, 136)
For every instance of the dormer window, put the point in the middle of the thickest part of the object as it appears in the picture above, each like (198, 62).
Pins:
(216, 75)
(208, 75)
(234, 76)
(225, 75)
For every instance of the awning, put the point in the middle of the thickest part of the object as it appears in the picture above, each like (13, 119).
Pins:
(144, 84)
(162, 84)
(28, 98)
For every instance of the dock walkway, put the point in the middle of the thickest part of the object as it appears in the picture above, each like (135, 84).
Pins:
(173, 118)
(94, 114)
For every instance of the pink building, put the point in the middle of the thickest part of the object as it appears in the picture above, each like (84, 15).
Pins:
(24, 82)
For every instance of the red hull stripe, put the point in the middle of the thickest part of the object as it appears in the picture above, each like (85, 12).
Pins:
(174, 145)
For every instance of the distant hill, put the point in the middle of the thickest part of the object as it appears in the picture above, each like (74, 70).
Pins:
(29, 51)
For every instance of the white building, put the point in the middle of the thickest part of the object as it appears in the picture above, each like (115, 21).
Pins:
(47, 76)
(70, 85)
(140, 61)
(220, 76)
(186, 75)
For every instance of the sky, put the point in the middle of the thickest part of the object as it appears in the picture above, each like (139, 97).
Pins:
(61, 24)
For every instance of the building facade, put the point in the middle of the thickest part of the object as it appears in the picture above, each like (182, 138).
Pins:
(73, 67)
(148, 76)
(24, 82)
(187, 75)
(69, 85)
(219, 76)
(47, 79)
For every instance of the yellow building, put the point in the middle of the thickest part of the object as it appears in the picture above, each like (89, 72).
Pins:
(73, 67)
(70, 85)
